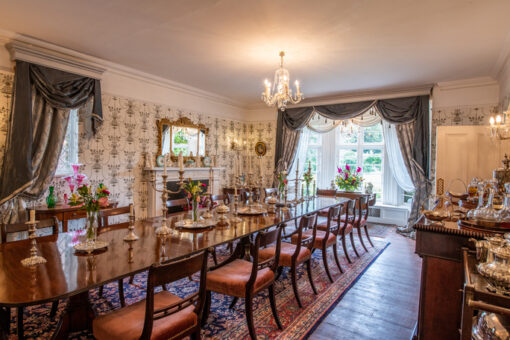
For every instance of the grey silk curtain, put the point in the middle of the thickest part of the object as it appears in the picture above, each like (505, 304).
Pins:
(286, 147)
(37, 127)
(411, 111)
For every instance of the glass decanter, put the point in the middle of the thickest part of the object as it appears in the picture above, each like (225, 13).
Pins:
(488, 213)
(481, 193)
(504, 213)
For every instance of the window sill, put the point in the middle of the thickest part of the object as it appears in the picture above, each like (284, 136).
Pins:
(395, 207)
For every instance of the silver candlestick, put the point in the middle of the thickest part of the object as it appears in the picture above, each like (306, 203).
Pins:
(164, 230)
(34, 258)
(236, 218)
(208, 214)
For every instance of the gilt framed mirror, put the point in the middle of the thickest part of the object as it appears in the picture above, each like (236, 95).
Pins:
(181, 136)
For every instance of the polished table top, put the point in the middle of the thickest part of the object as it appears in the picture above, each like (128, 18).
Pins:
(67, 273)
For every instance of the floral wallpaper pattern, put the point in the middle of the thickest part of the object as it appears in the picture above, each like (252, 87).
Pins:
(115, 155)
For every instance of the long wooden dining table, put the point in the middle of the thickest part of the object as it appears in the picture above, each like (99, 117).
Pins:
(67, 274)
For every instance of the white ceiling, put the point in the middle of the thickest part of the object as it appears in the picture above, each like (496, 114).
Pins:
(228, 47)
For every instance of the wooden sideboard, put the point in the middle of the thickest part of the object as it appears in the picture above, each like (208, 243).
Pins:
(442, 278)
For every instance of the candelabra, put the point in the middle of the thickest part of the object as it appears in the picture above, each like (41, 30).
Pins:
(131, 236)
(163, 230)
(208, 214)
(236, 218)
(34, 259)
(285, 203)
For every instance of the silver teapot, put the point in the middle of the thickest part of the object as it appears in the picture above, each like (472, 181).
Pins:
(497, 271)
(485, 248)
(491, 326)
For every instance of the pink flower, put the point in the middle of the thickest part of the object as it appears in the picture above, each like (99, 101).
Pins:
(103, 202)
(203, 184)
(346, 175)
(285, 181)
(347, 167)
(339, 170)
(358, 169)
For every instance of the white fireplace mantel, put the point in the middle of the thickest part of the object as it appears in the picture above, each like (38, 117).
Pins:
(154, 203)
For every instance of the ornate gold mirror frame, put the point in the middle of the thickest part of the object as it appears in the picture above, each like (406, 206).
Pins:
(181, 122)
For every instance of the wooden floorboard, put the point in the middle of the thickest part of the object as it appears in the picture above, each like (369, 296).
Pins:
(383, 304)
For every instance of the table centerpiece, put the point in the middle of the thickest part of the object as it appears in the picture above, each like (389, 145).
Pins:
(348, 179)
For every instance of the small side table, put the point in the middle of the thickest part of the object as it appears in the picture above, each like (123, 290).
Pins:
(64, 213)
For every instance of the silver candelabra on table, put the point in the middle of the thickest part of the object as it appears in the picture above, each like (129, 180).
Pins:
(236, 218)
(131, 236)
(208, 214)
(34, 258)
(164, 230)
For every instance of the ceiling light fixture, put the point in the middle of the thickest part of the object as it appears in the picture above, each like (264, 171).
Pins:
(500, 125)
(281, 94)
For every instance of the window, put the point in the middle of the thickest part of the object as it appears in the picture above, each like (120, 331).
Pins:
(69, 153)
(364, 148)
(314, 154)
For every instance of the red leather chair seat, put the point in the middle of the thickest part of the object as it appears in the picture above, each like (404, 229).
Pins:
(127, 323)
(318, 238)
(286, 252)
(231, 278)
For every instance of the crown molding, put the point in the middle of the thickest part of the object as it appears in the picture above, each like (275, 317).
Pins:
(39, 55)
(64, 58)
(366, 95)
(466, 83)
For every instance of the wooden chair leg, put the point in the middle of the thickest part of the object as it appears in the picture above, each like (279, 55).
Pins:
(368, 236)
(278, 273)
(131, 279)
(309, 270)
(361, 239)
(121, 293)
(294, 285)
(345, 249)
(195, 335)
(21, 333)
(214, 256)
(234, 301)
(249, 316)
(207, 307)
(54, 309)
(335, 253)
(101, 289)
(352, 243)
(166, 289)
(273, 306)
(325, 260)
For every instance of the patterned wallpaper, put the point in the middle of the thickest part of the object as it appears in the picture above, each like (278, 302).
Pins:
(458, 115)
(115, 156)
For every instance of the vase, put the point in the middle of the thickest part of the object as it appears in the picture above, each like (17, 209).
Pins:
(91, 225)
(51, 200)
(194, 208)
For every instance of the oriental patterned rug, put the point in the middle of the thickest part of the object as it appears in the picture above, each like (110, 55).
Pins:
(225, 323)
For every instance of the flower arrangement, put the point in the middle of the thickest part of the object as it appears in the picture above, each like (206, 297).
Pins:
(193, 189)
(282, 182)
(348, 179)
(91, 200)
(76, 179)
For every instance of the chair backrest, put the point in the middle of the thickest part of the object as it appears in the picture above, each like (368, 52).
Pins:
(180, 202)
(6, 229)
(104, 214)
(364, 203)
(263, 239)
(245, 196)
(307, 222)
(218, 198)
(163, 273)
(326, 192)
(334, 220)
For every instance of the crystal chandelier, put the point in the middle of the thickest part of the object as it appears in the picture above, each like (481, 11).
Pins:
(281, 94)
(500, 125)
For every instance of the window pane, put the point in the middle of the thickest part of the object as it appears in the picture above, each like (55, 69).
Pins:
(315, 138)
(347, 138)
(348, 156)
(69, 153)
(373, 134)
(314, 157)
(372, 168)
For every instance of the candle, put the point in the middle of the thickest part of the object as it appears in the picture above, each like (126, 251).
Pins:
(235, 168)
(181, 162)
(297, 166)
(239, 170)
(314, 187)
(235, 190)
(164, 165)
(131, 210)
(302, 188)
(309, 165)
(260, 166)
(32, 215)
(297, 87)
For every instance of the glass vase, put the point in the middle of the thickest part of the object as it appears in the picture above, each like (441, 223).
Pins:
(194, 210)
(51, 200)
(91, 226)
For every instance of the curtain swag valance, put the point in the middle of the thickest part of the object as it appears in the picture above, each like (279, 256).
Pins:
(41, 102)
(395, 111)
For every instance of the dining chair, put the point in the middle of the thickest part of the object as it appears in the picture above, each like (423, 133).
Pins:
(104, 214)
(5, 230)
(345, 227)
(104, 226)
(241, 278)
(177, 203)
(292, 255)
(361, 222)
(218, 199)
(160, 315)
(325, 193)
(324, 239)
(245, 196)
